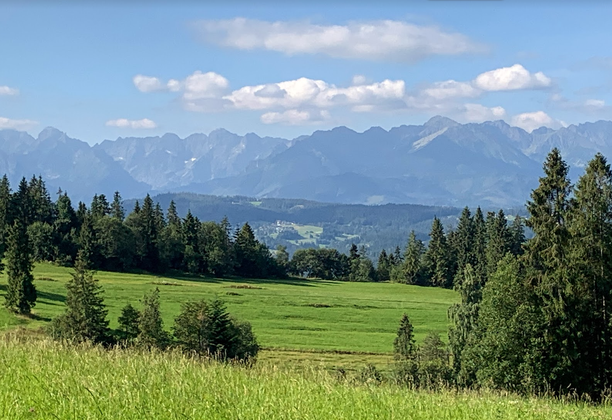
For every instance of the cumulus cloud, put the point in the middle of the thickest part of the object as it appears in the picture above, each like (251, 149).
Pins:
(530, 121)
(381, 40)
(511, 78)
(480, 113)
(147, 83)
(303, 100)
(144, 123)
(7, 123)
(296, 117)
(8, 91)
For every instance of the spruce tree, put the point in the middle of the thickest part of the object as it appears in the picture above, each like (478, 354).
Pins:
(21, 292)
(463, 240)
(85, 316)
(412, 267)
(591, 244)
(383, 267)
(245, 248)
(5, 215)
(479, 246)
(129, 322)
(151, 325)
(404, 345)
(116, 207)
(548, 259)
(437, 259)
(499, 240)
(464, 316)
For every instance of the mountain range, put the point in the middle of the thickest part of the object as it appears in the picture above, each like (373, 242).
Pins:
(440, 162)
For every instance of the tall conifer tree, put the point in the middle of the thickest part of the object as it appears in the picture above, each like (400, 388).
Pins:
(21, 292)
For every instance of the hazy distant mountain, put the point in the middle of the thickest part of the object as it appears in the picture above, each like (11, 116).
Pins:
(169, 161)
(440, 162)
(64, 162)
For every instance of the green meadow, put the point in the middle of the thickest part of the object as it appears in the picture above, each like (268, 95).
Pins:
(46, 380)
(326, 321)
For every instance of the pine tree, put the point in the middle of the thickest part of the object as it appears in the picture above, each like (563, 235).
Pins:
(548, 259)
(151, 325)
(404, 345)
(480, 245)
(89, 246)
(5, 216)
(464, 316)
(412, 268)
(64, 229)
(517, 234)
(21, 292)
(129, 322)
(499, 240)
(591, 243)
(437, 260)
(85, 316)
(463, 240)
(22, 204)
(383, 267)
(245, 248)
(116, 208)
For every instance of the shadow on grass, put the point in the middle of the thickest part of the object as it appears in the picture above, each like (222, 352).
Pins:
(290, 281)
(54, 297)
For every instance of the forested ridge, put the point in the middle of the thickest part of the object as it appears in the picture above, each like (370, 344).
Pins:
(534, 315)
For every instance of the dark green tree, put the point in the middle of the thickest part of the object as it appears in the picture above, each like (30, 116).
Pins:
(437, 259)
(499, 240)
(85, 316)
(151, 325)
(129, 323)
(21, 292)
(464, 316)
(590, 230)
(207, 329)
(383, 268)
(412, 267)
(404, 345)
(116, 208)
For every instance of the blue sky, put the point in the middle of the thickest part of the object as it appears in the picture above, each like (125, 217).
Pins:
(101, 71)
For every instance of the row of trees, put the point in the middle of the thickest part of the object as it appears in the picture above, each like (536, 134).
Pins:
(477, 241)
(541, 320)
(203, 328)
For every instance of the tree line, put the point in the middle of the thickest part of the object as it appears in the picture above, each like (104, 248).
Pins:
(153, 240)
(534, 319)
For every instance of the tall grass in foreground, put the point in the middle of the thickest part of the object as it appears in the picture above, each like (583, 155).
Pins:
(46, 380)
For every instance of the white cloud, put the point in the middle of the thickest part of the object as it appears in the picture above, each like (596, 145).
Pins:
(293, 101)
(144, 123)
(296, 117)
(588, 106)
(7, 123)
(480, 113)
(511, 78)
(8, 91)
(147, 83)
(303, 92)
(381, 40)
(451, 89)
(530, 121)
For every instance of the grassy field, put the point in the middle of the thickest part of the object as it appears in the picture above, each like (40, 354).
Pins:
(44, 380)
(300, 319)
